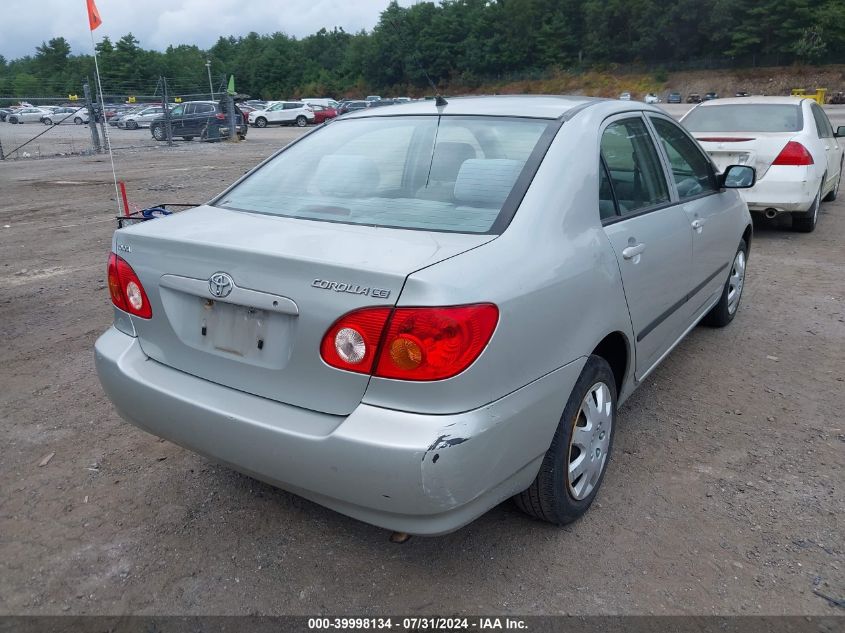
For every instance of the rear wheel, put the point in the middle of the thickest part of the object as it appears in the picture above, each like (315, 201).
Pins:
(158, 132)
(261, 122)
(78, 120)
(573, 468)
(805, 221)
(301, 121)
(47, 121)
(725, 311)
(131, 125)
(831, 196)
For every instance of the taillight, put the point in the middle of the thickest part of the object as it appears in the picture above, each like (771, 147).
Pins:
(220, 116)
(412, 343)
(126, 290)
(352, 341)
(794, 154)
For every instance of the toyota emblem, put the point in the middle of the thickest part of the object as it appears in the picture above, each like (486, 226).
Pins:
(220, 285)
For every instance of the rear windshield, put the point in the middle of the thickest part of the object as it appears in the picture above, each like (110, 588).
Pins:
(416, 172)
(745, 118)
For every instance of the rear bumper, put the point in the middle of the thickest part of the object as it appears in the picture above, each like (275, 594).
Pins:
(422, 474)
(784, 188)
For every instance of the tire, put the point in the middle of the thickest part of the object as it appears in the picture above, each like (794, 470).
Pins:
(187, 138)
(552, 496)
(831, 196)
(242, 137)
(158, 133)
(13, 120)
(78, 120)
(805, 221)
(261, 122)
(47, 121)
(725, 311)
(131, 125)
(301, 121)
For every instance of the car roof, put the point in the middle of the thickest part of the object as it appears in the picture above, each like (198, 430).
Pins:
(752, 100)
(536, 106)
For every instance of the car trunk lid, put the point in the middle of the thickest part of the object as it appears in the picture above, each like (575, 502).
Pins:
(755, 149)
(285, 280)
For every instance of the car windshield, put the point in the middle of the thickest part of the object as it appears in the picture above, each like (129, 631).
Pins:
(417, 172)
(752, 117)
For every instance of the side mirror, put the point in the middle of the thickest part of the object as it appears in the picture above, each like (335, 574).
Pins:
(840, 131)
(738, 177)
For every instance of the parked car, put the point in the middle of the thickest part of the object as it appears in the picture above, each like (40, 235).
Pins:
(625, 96)
(837, 98)
(788, 140)
(674, 97)
(283, 113)
(651, 98)
(351, 106)
(694, 97)
(336, 322)
(383, 102)
(119, 115)
(140, 118)
(257, 104)
(373, 98)
(710, 96)
(204, 119)
(325, 102)
(28, 115)
(78, 115)
(4, 112)
(742, 93)
(323, 113)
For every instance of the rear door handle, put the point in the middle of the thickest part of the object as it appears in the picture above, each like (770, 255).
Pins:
(697, 225)
(630, 252)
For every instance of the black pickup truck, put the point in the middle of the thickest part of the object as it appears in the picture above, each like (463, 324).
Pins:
(209, 120)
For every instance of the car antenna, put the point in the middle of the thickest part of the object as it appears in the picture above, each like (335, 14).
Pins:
(439, 99)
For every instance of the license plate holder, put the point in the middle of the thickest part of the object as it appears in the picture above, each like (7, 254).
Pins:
(233, 328)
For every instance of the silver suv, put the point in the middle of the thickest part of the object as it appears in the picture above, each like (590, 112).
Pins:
(416, 312)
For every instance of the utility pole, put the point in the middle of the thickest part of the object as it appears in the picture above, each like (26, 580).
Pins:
(210, 85)
(92, 119)
(167, 127)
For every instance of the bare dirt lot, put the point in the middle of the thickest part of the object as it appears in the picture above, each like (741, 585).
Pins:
(725, 494)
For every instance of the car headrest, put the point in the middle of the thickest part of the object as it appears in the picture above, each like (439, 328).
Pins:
(347, 175)
(486, 182)
(447, 160)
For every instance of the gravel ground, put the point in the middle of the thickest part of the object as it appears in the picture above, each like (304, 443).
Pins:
(724, 495)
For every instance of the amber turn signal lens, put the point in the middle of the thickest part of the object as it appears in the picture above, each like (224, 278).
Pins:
(406, 352)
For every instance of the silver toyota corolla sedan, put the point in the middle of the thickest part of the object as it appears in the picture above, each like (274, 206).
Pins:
(412, 314)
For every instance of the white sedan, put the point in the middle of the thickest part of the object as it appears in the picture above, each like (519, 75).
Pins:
(789, 140)
(29, 115)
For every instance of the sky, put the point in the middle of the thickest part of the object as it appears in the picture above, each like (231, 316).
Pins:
(159, 23)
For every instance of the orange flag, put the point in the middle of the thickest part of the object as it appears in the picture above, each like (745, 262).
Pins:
(93, 15)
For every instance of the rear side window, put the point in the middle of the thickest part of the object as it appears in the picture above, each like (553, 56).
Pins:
(753, 117)
(421, 172)
(823, 126)
(691, 169)
(634, 166)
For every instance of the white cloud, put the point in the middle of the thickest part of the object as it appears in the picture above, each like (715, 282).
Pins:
(159, 23)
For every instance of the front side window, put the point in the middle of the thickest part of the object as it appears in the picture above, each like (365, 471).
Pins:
(420, 172)
(691, 169)
(634, 166)
(177, 111)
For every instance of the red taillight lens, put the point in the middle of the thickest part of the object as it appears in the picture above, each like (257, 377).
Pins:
(794, 154)
(220, 116)
(435, 343)
(352, 341)
(411, 343)
(126, 290)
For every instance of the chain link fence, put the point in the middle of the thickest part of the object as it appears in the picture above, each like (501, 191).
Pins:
(84, 123)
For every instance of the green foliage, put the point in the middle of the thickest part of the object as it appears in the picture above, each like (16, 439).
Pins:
(461, 44)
